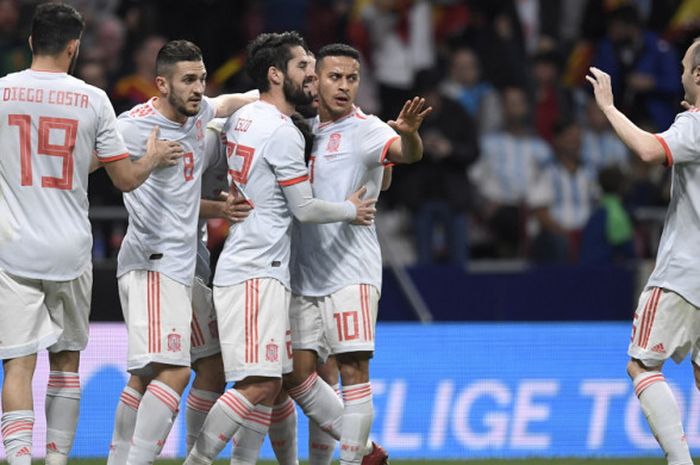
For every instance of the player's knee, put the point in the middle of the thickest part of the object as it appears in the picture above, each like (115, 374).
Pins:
(67, 361)
(209, 374)
(635, 368)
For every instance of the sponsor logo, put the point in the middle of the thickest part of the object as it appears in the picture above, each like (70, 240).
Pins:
(659, 348)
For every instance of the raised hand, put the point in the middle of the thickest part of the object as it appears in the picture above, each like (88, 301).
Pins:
(165, 153)
(602, 88)
(365, 208)
(411, 116)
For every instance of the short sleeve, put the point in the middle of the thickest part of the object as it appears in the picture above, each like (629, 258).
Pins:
(285, 153)
(133, 138)
(375, 139)
(207, 112)
(109, 144)
(681, 142)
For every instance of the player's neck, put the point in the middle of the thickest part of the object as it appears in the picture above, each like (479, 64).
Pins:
(324, 114)
(49, 63)
(279, 101)
(164, 108)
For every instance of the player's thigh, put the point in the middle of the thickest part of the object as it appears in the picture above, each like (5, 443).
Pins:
(253, 328)
(205, 331)
(306, 323)
(350, 317)
(25, 324)
(69, 307)
(662, 327)
(158, 314)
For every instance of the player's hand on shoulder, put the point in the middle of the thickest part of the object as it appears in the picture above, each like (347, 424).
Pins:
(411, 116)
(165, 152)
(366, 210)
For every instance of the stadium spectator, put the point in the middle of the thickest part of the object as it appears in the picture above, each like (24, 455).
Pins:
(510, 163)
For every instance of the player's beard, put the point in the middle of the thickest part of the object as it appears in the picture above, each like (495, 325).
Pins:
(295, 94)
(181, 106)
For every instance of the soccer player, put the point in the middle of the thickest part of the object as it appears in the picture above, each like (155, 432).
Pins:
(156, 261)
(666, 321)
(209, 381)
(251, 296)
(50, 125)
(338, 267)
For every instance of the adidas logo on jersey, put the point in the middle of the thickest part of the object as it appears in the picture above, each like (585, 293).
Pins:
(659, 348)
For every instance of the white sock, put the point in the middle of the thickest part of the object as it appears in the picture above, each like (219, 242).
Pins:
(321, 444)
(357, 422)
(124, 422)
(663, 416)
(154, 420)
(320, 403)
(62, 411)
(222, 422)
(199, 402)
(17, 436)
(283, 432)
(251, 435)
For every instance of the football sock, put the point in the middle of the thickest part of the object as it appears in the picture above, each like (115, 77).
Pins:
(62, 410)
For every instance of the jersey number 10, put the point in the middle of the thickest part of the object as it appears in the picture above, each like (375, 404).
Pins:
(65, 150)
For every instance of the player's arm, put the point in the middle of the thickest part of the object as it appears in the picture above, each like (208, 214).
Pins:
(308, 209)
(128, 174)
(227, 104)
(409, 147)
(386, 177)
(644, 144)
(231, 207)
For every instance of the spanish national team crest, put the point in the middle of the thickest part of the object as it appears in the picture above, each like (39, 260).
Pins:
(174, 342)
(333, 142)
(272, 352)
(214, 329)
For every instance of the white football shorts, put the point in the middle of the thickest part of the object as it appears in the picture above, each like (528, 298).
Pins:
(306, 320)
(350, 317)
(37, 314)
(665, 326)
(158, 315)
(254, 328)
(205, 332)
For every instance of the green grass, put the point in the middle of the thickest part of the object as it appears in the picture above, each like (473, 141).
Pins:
(559, 461)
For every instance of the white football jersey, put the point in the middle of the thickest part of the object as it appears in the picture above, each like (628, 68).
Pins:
(50, 125)
(677, 259)
(163, 211)
(348, 153)
(265, 153)
(213, 182)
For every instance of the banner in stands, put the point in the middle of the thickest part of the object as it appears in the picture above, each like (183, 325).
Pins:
(449, 391)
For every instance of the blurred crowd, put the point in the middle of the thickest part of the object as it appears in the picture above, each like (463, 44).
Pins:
(519, 162)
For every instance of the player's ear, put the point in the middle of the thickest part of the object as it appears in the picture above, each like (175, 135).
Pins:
(30, 43)
(274, 75)
(162, 85)
(72, 47)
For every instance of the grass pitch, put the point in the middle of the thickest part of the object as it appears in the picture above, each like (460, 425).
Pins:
(535, 461)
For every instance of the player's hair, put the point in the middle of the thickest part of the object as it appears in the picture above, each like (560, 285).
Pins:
(301, 124)
(696, 53)
(53, 26)
(271, 49)
(174, 52)
(337, 50)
